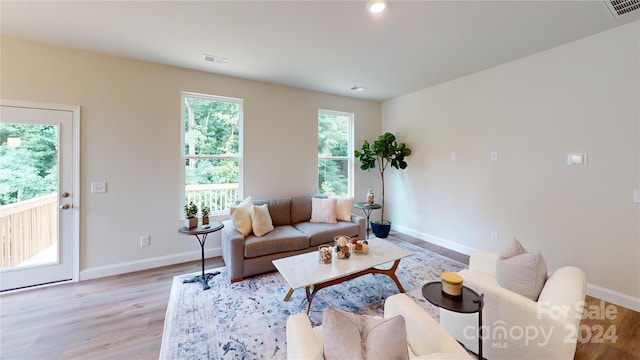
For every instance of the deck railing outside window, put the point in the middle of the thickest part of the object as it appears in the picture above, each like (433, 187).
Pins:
(27, 227)
(218, 197)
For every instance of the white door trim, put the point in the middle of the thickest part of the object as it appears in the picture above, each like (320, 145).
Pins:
(75, 110)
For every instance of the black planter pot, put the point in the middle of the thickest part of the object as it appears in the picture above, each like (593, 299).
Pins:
(381, 230)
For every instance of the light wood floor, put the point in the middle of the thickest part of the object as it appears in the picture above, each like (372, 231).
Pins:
(122, 317)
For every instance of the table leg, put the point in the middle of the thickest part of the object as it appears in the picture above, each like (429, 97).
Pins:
(391, 272)
(203, 278)
(480, 305)
(367, 214)
(288, 296)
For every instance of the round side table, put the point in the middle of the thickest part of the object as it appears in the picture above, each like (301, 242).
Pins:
(367, 209)
(201, 233)
(470, 302)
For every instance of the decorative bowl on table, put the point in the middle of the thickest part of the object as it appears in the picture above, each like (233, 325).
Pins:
(360, 247)
(342, 247)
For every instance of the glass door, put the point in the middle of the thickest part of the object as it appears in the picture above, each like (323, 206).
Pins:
(36, 196)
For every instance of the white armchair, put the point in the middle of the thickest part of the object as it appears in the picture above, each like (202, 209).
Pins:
(515, 327)
(425, 338)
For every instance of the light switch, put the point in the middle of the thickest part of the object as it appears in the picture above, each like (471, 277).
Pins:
(636, 196)
(494, 155)
(453, 155)
(98, 187)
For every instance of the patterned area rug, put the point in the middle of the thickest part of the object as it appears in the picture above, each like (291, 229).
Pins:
(247, 319)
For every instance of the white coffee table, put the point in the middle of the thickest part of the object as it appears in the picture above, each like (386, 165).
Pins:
(305, 270)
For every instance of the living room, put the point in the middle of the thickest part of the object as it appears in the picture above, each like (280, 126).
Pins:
(576, 98)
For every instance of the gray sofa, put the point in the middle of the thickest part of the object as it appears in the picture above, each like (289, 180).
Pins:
(293, 234)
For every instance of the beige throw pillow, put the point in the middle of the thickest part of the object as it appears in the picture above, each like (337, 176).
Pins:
(520, 271)
(241, 216)
(323, 210)
(343, 208)
(350, 336)
(261, 220)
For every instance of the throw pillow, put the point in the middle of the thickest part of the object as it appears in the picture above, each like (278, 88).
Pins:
(241, 216)
(343, 208)
(323, 210)
(350, 336)
(261, 220)
(520, 271)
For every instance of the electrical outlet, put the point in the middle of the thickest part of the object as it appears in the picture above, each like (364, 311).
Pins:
(494, 237)
(144, 240)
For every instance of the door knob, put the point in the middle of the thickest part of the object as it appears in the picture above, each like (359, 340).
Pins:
(65, 194)
(64, 206)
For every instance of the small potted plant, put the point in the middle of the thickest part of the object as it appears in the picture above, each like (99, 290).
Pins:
(205, 214)
(190, 213)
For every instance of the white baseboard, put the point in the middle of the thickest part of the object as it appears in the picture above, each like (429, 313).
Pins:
(599, 292)
(126, 267)
(614, 297)
(451, 245)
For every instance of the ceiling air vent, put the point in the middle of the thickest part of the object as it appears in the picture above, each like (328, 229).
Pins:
(622, 7)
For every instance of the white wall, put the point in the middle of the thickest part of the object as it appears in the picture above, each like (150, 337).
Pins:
(130, 138)
(582, 97)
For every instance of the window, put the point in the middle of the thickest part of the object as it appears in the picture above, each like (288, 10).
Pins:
(335, 153)
(211, 151)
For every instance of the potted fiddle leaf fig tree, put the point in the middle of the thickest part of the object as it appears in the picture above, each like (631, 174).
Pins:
(190, 213)
(386, 151)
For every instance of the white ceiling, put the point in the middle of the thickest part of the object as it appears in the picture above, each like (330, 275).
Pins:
(327, 46)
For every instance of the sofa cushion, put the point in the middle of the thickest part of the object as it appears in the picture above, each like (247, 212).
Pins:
(343, 208)
(283, 238)
(241, 216)
(351, 336)
(261, 220)
(301, 207)
(323, 210)
(320, 233)
(521, 272)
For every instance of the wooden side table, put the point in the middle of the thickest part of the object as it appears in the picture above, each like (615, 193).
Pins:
(201, 233)
(469, 303)
(367, 209)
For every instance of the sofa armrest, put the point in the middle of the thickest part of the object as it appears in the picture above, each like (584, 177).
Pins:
(232, 243)
(565, 289)
(301, 340)
(424, 334)
(362, 225)
(483, 262)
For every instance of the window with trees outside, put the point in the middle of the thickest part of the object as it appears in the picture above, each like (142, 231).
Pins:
(335, 153)
(212, 151)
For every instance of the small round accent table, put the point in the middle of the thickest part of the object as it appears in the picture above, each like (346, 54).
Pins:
(367, 209)
(470, 302)
(201, 233)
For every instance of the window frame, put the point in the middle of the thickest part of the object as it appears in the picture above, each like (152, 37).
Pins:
(184, 157)
(350, 148)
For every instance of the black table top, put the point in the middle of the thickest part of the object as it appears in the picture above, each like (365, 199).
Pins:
(470, 301)
(213, 226)
(366, 205)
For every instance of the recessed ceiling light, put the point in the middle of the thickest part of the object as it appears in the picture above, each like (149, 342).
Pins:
(376, 7)
(356, 88)
(214, 59)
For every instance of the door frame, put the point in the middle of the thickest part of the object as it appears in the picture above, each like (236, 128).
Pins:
(75, 203)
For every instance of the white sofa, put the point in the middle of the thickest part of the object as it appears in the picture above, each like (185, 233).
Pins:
(425, 338)
(515, 327)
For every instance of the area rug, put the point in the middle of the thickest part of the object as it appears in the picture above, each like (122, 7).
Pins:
(247, 319)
